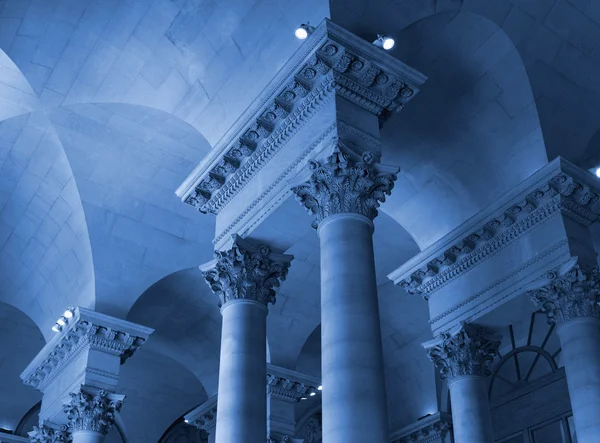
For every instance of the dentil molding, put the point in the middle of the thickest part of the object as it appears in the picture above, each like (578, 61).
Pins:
(204, 417)
(86, 330)
(558, 188)
(331, 61)
(288, 385)
(431, 429)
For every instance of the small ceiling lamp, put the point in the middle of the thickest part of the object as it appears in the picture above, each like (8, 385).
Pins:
(313, 393)
(320, 388)
(68, 313)
(597, 172)
(385, 42)
(303, 31)
(303, 398)
(56, 327)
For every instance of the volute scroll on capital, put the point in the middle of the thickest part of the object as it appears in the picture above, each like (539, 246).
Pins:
(568, 293)
(247, 272)
(469, 350)
(346, 183)
(92, 411)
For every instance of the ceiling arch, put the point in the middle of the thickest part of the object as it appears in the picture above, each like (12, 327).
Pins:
(187, 322)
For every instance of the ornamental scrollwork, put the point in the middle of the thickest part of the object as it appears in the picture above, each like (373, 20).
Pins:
(468, 351)
(92, 411)
(247, 272)
(345, 184)
(48, 434)
(569, 293)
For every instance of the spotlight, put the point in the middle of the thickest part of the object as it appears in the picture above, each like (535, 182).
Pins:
(320, 388)
(313, 393)
(187, 421)
(56, 327)
(303, 398)
(68, 313)
(61, 321)
(303, 31)
(385, 42)
(598, 172)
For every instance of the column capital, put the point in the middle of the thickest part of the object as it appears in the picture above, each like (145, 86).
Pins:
(90, 410)
(568, 292)
(346, 183)
(46, 433)
(466, 350)
(246, 272)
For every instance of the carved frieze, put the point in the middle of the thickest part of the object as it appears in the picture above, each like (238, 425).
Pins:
(346, 183)
(49, 434)
(562, 192)
(287, 389)
(92, 411)
(88, 330)
(247, 272)
(430, 433)
(333, 61)
(568, 293)
(467, 350)
(207, 421)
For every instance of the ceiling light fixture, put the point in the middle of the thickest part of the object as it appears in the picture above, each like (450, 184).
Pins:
(313, 393)
(303, 398)
(68, 313)
(598, 172)
(62, 322)
(56, 327)
(385, 42)
(303, 31)
(320, 388)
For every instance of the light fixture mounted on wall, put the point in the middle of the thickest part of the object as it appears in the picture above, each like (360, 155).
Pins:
(385, 42)
(303, 31)
(63, 320)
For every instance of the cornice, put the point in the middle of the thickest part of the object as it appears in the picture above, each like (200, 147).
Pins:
(289, 385)
(204, 416)
(558, 187)
(431, 429)
(331, 61)
(86, 330)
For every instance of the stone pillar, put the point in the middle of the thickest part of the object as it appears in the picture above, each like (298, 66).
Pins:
(344, 193)
(244, 278)
(570, 299)
(464, 356)
(91, 414)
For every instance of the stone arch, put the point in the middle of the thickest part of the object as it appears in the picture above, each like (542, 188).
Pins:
(476, 111)
(187, 323)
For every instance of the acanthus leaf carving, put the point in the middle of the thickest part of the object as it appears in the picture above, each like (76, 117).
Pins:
(345, 184)
(49, 434)
(469, 350)
(569, 293)
(247, 272)
(92, 411)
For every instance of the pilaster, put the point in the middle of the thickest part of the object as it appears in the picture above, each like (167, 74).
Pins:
(84, 357)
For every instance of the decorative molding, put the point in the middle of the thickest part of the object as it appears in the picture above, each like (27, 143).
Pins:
(558, 188)
(86, 330)
(313, 429)
(47, 433)
(278, 183)
(346, 183)
(92, 410)
(204, 417)
(466, 350)
(539, 257)
(332, 61)
(287, 389)
(246, 272)
(432, 429)
(568, 293)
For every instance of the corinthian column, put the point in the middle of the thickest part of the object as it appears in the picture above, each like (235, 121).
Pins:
(570, 298)
(92, 414)
(343, 194)
(464, 357)
(244, 278)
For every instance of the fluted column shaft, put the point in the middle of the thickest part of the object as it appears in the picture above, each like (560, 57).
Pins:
(344, 193)
(244, 278)
(570, 297)
(464, 356)
(242, 406)
(354, 397)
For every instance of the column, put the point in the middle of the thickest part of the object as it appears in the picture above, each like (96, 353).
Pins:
(570, 298)
(91, 414)
(344, 193)
(464, 356)
(244, 278)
